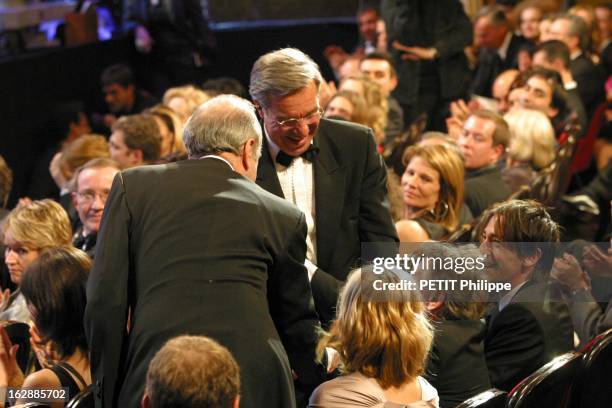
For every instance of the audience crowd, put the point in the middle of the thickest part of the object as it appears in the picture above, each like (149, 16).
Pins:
(494, 131)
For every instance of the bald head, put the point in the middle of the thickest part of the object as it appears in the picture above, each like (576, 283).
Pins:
(226, 126)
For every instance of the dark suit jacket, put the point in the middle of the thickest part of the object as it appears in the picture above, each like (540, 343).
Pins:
(590, 79)
(587, 316)
(526, 334)
(194, 248)
(456, 365)
(440, 24)
(350, 203)
(490, 65)
(484, 187)
(606, 59)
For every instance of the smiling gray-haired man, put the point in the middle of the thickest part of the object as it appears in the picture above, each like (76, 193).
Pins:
(330, 170)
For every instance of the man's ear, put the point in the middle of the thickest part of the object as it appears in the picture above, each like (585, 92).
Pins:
(236, 402)
(532, 260)
(552, 112)
(73, 197)
(248, 152)
(137, 156)
(258, 109)
(498, 151)
(393, 82)
(145, 402)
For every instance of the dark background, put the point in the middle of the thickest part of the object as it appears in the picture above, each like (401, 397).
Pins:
(30, 85)
(249, 10)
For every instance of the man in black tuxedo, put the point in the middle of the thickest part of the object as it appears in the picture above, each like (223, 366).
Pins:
(92, 183)
(196, 247)
(499, 48)
(527, 327)
(426, 41)
(590, 78)
(329, 169)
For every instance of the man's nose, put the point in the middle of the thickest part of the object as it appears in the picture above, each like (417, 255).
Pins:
(98, 202)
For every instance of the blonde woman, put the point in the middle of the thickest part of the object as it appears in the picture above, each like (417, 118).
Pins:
(376, 104)
(74, 155)
(348, 106)
(27, 231)
(184, 100)
(171, 130)
(432, 189)
(383, 340)
(532, 146)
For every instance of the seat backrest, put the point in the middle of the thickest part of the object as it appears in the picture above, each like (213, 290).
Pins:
(84, 399)
(462, 234)
(594, 383)
(492, 398)
(554, 180)
(19, 333)
(549, 386)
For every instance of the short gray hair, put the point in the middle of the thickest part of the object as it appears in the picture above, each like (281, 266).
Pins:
(577, 27)
(281, 73)
(222, 124)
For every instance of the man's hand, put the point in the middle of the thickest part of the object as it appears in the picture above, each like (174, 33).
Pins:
(454, 127)
(567, 270)
(10, 373)
(461, 110)
(41, 349)
(4, 298)
(335, 56)
(415, 53)
(597, 262)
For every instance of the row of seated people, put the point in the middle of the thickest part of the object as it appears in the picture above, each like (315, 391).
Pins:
(522, 330)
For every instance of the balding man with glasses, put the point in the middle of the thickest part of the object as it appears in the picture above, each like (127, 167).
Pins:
(92, 183)
(330, 170)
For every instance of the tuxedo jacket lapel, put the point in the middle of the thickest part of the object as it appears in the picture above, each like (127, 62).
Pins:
(266, 172)
(329, 185)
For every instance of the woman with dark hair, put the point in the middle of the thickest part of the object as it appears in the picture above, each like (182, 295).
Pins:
(54, 290)
(456, 317)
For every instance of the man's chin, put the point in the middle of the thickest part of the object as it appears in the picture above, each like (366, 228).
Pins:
(92, 228)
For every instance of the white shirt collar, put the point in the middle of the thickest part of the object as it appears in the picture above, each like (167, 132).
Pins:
(507, 298)
(503, 49)
(214, 156)
(272, 147)
(575, 55)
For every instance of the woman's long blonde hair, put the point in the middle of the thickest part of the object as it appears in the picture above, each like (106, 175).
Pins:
(384, 335)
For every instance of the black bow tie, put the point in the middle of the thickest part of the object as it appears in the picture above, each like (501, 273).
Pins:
(284, 159)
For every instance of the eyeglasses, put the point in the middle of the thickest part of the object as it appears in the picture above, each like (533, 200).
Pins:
(292, 123)
(89, 196)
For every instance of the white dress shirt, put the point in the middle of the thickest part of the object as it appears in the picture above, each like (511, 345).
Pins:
(297, 183)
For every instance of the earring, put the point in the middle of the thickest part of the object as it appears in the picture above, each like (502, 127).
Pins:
(444, 210)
